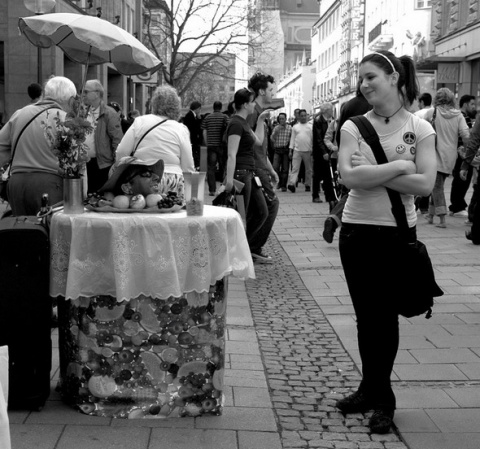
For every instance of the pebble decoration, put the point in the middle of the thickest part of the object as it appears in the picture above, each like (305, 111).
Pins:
(146, 357)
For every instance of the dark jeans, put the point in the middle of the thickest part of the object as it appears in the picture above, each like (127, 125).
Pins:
(196, 155)
(473, 202)
(214, 155)
(422, 202)
(96, 177)
(281, 164)
(459, 188)
(321, 172)
(476, 215)
(261, 237)
(255, 205)
(372, 269)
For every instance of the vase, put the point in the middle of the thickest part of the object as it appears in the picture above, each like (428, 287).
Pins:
(73, 196)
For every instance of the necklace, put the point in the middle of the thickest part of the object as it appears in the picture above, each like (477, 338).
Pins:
(387, 118)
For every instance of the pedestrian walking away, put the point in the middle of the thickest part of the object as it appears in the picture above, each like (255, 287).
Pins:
(213, 126)
(159, 136)
(449, 124)
(193, 123)
(370, 243)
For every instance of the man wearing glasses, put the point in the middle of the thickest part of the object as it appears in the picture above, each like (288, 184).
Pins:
(103, 142)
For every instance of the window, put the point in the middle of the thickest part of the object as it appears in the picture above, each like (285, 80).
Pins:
(421, 4)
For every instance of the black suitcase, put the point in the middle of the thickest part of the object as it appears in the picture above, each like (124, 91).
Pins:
(26, 310)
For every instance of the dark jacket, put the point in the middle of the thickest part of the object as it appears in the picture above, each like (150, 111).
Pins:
(355, 106)
(194, 126)
(473, 144)
(108, 135)
(320, 126)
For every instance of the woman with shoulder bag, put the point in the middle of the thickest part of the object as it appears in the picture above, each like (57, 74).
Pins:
(371, 247)
(159, 135)
(241, 162)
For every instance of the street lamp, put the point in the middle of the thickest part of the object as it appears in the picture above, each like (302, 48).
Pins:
(39, 7)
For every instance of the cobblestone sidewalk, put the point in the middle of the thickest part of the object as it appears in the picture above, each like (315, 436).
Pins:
(306, 366)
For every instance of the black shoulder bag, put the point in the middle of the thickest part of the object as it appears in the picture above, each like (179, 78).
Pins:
(414, 297)
(8, 168)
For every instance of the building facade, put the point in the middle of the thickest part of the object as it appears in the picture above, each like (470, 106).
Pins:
(455, 34)
(327, 47)
(19, 58)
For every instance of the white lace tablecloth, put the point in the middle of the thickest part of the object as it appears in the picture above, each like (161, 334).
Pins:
(156, 255)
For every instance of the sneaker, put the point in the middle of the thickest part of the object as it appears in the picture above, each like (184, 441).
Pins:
(291, 188)
(329, 228)
(460, 213)
(317, 200)
(381, 421)
(307, 188)
(284, 189)
(355, 403)
(211, 193)
(261, 258)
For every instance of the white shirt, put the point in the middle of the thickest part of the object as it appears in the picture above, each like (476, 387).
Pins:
(302, 137)
(373, 206)
(169, 141)
(423, 112)
(92, 117)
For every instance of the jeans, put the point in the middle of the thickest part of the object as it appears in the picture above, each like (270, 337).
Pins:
(438, 205)
(281, 164)
(321, 172)
(214, 155)
(261, 237)
(255, 205)
(372, 269)
(459, 188)
(476, 215)
(298, 157)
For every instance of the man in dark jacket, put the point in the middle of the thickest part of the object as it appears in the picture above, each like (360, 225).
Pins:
(321, 157)
(193, 123)
(103, 142)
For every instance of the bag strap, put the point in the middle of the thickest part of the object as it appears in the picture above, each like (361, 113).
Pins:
(24, 128)
(141, 138)
(371, 137)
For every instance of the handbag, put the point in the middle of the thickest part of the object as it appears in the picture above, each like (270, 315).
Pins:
(5, 174)
(414, 297)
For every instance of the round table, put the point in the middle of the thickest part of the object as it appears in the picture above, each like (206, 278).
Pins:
(142, 308)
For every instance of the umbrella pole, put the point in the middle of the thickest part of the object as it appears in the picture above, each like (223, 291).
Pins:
(86, 70)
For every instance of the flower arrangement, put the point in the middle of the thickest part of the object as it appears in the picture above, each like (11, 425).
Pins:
(67, 141)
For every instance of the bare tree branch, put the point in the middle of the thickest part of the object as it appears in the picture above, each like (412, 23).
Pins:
(189, 36)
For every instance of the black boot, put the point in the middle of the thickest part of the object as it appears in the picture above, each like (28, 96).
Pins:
(329, 228)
